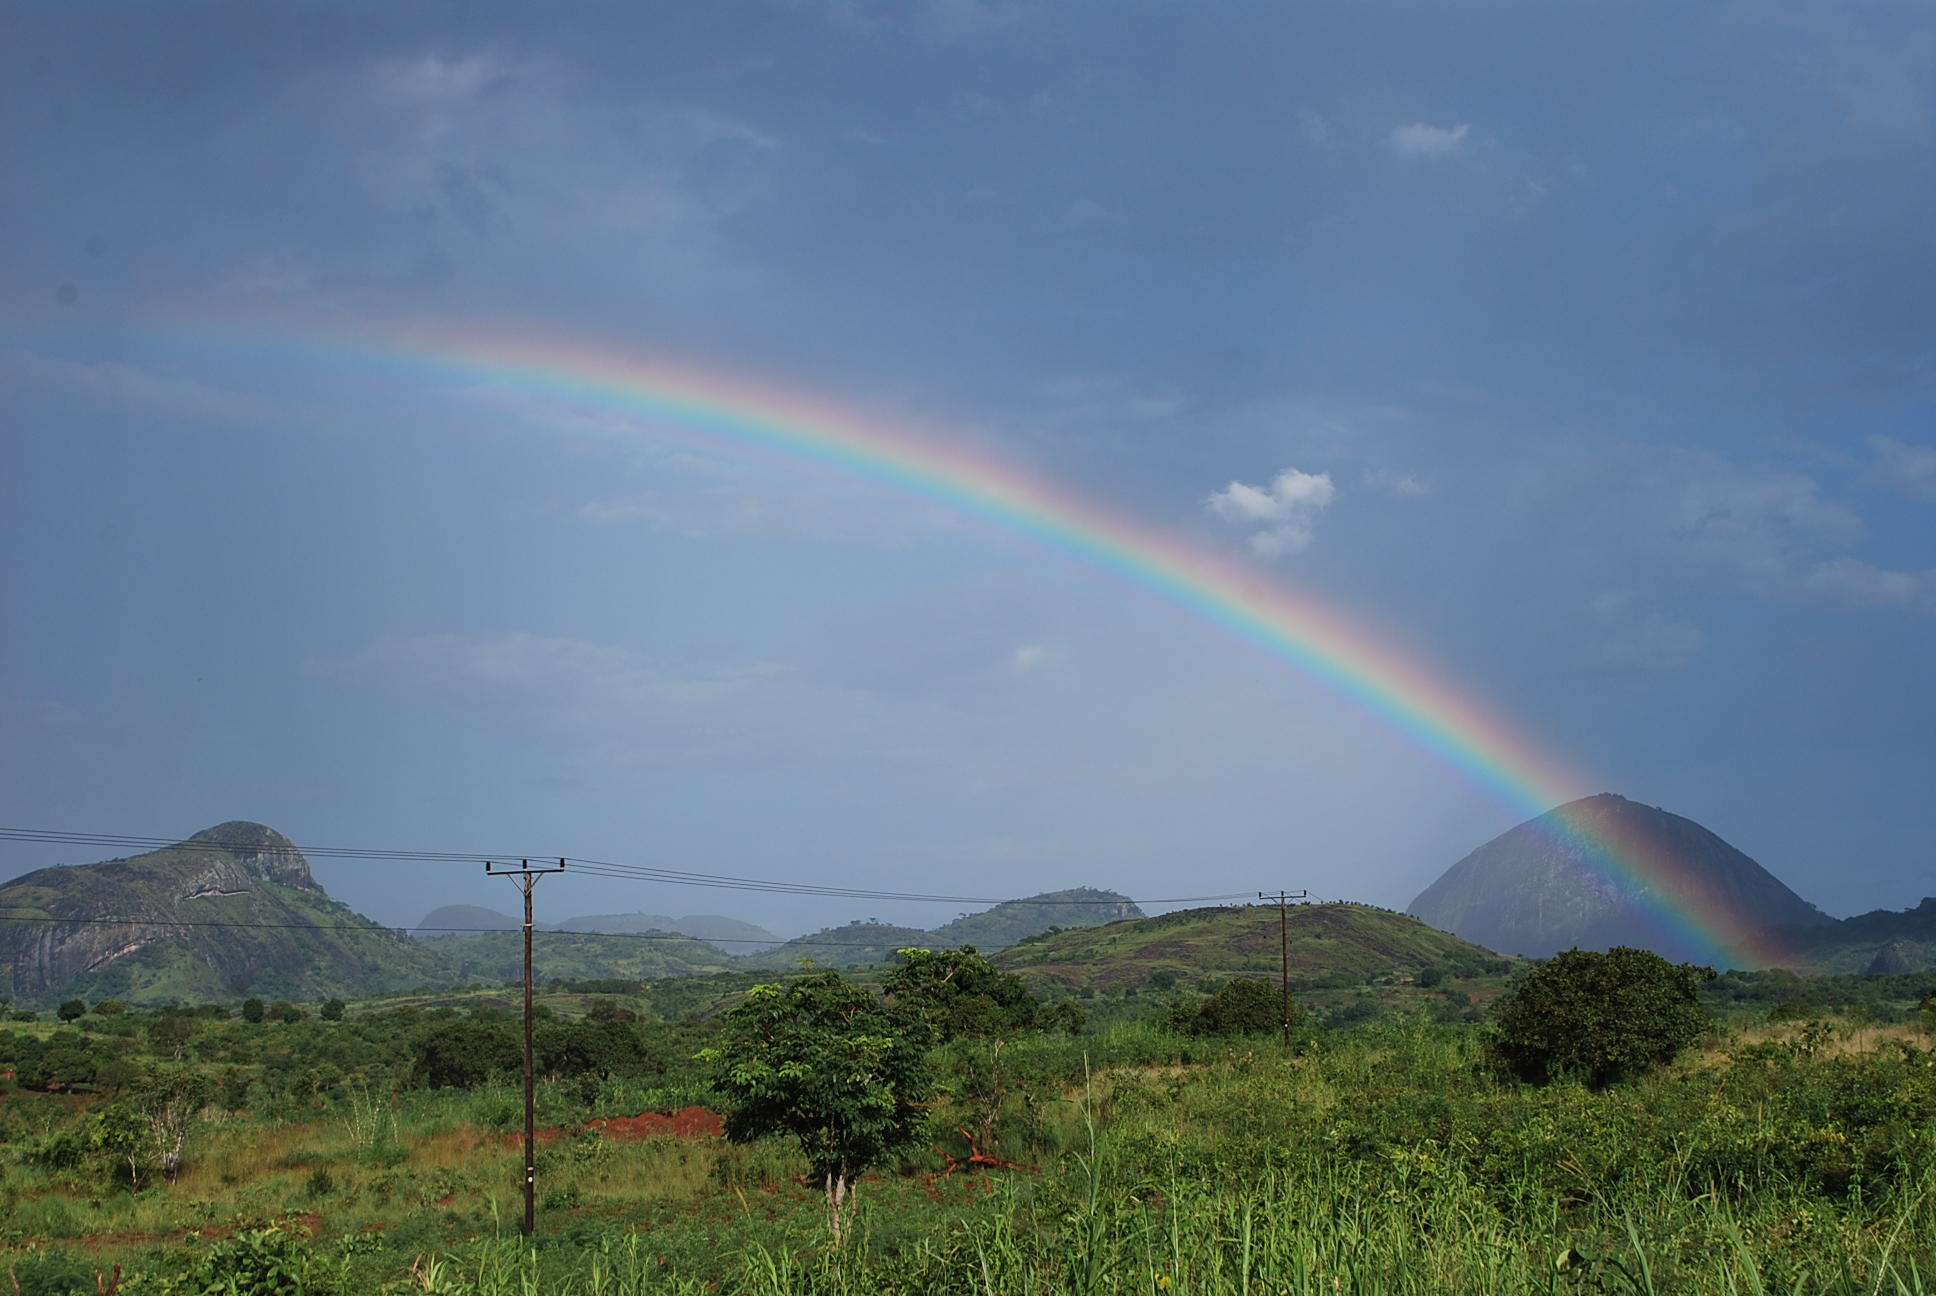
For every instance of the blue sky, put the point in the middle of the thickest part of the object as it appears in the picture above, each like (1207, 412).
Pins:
(1588, 350)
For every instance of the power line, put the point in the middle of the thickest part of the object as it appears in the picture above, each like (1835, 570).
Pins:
(599, 868)
(375, 928)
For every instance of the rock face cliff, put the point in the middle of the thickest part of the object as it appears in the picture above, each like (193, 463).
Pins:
(230, 911)
(1561, 881)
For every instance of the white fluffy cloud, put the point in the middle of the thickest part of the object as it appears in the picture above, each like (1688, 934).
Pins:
(1423, 142)
(1284, 513)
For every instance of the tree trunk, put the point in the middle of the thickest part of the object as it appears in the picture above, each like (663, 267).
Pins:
(837, 1195)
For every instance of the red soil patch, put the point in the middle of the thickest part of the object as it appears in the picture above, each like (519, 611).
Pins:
(691, 1122)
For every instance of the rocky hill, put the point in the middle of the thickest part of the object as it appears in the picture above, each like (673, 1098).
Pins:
(988, 931)
(231, 911)
(833, 947)
(1017, 920)
(1549, 885)
(1883, 941)
(1327, 941)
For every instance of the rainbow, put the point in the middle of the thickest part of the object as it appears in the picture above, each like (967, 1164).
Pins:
(638, 397)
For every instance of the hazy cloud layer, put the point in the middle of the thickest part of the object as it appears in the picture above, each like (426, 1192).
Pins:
(1598, 381)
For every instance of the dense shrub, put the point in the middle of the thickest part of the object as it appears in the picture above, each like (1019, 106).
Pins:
(958, 992)
(459, 1054)
(1599, 1017)
(593, 1047)
(1244, 1006)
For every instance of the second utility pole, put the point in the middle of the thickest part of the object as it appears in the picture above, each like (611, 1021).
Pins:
(527, 877)
(1283, 899)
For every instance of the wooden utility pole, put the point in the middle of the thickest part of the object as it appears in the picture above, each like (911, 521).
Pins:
(1283, 900)
(526, 878)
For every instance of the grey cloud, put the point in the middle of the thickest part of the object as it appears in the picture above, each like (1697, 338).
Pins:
(1908, 468)
(1632, 638)
(1854, 583)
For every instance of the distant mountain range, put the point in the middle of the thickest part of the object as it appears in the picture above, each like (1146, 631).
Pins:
(234, 911)
(727, 934)
(988, 931)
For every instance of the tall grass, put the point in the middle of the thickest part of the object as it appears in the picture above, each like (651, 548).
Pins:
(1385, 1160)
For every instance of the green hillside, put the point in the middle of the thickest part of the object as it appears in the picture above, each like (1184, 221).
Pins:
(856, 943)
(1328, 941)
(574, 956)
(728, 934)
(1017, 920)
(1881, 941)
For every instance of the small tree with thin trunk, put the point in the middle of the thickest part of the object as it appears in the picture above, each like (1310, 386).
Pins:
(821, 1061)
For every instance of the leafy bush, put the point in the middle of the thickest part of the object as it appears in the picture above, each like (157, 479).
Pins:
(959, 992)
(819, 1060)
(1599, 1017)
(601, 1047)
(51, 1273)
(460, 1054)
(269, 1262)
(1244, 1006)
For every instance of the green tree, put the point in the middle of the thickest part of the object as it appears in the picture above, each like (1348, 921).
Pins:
(460, 1054)
(819, 1060)
(597, 1048)
(959, 992)
(252, 1010)
(332, 1010)
(1599, 1017)
(120, 1133)
(1245, 1006)
(72, 1010)
(170, 1033)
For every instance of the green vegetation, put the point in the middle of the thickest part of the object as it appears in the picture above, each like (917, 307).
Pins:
(820, 1062)
(854, 945)
(959, 994)
(1017, 920)
(1246, 1006)
(200, 1151)
(1883, 940)
(1599, 1017)
(499, 956)
(1334, 944)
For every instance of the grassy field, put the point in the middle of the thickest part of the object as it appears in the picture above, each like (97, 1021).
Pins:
(1798, 1157)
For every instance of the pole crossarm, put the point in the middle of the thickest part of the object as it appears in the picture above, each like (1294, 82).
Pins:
(525, 877)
